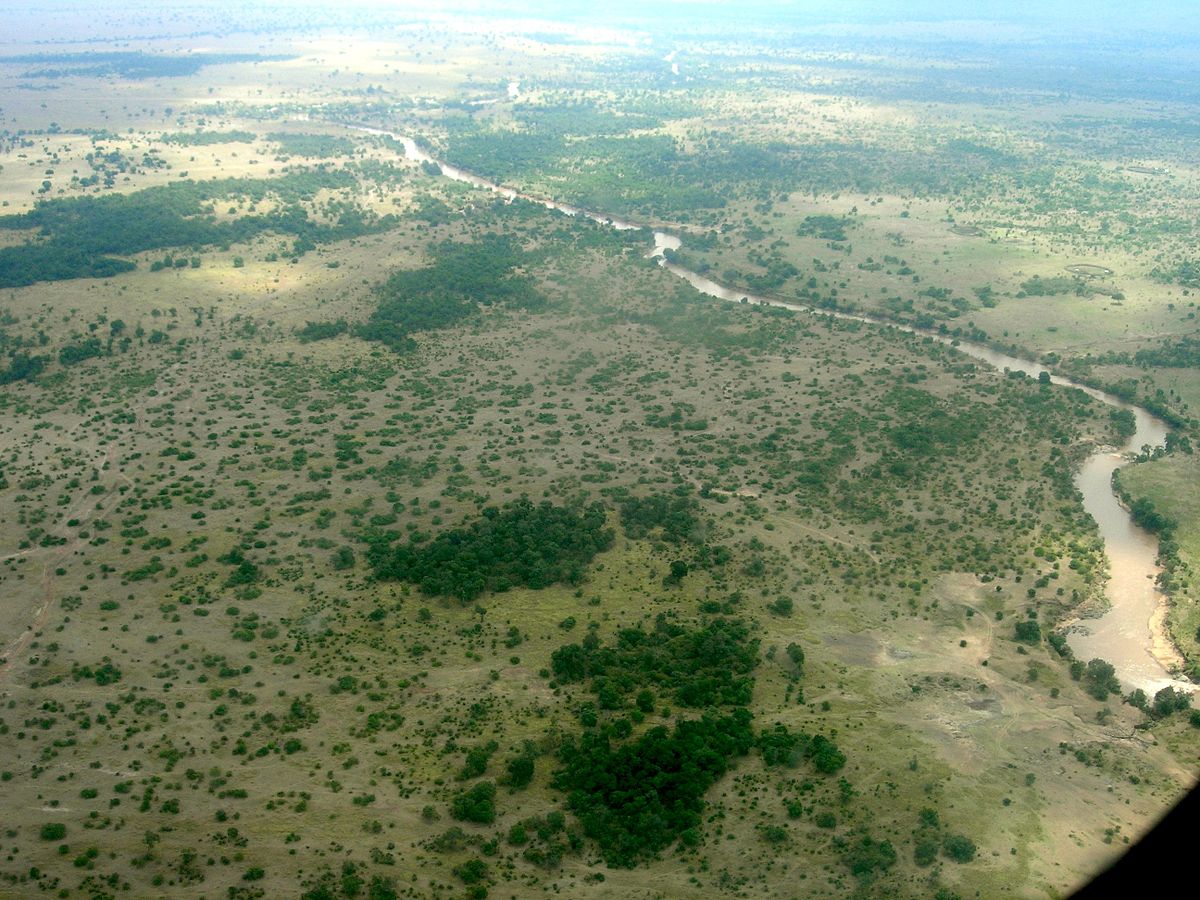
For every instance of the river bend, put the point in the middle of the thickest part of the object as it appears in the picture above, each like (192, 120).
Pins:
(1131, 634)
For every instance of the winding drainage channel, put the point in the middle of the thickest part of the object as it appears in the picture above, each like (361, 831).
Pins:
(1131, 634)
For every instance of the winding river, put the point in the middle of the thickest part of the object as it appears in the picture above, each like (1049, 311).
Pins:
(1130, 635)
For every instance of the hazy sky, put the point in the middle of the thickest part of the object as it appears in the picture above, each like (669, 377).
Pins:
(1172, 19)
(1158, 12)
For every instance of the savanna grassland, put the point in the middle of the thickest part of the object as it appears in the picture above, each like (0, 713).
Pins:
(362, 534)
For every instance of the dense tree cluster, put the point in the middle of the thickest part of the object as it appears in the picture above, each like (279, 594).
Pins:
(867, 856)
(321, 331)
(673, 515)
(1182, 353)
(89, 348)
(476, 804)
(1169, 700)
(636, 799)
(627, 170)
(1147, 515)
(206, 138)
(82, 237)
(521, 544)
(635, 796)
(320, 146)
(706, 666)
(1028, 632)
(1098, 677)
(461, 277)
(1186, 273)
(545, 839)
(127, 64)
(22, 367)
(927, 427)
(825, 227)
(1052, 287)
(348, 881)
(781, 747)
(959, 848)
